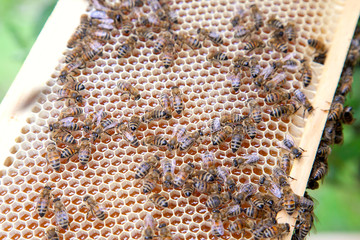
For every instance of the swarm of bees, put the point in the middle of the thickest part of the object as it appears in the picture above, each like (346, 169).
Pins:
(232, 206)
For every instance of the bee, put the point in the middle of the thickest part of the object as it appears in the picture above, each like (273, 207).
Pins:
(80, 31)
(256, 16)
(179, 132)
(53, 156)
(127, 26)
(278, 45)
(345, 84)
(306, 221)
(245, 190)
(284, 110)
(277, 96)
(68, 68)
(183, 38)
(216, 199)
(211, 35)
(74, 85)
(336, 109)
(238, 16)
(145, 33)
(276, 230)
(156, 114)
(201, 186)
(59, 136)
(94, 208)
(319, 170)
(127, 47)
(306, 73)
(171, 14)
(189, 140)
(289, 144)
(290, 31)
(126, 88)
(103, 127)
(251, 211)
(68, 93)
(215, 125)
(225, 177)
(177, 99)
(168, 55)
(271, 186)
(222, 135)
(143, 20)
(155, 140)
(238, 136)
(285, 163)
(69, 151)
(145, 166)
(61, 216)
(127, 6)
(257, 201)
(84, 151)
(241, 61)
(301, 98)
(150, 180)
(99, 34)
(52, 233)
(92, 49)
(74, 54)
(306, 203)
(290, 200)
(159, 200)
(204, 176)
(318, 45)
(254, 67)
(253, 44)
(167, 172)
(188, 187)
(183, 175)
(255, 110)
(347, 116)
(43, 201)
(208, 162)
(235, 77)
(275, 82)
(104, 23)
(93, 118)
(323, 150)
(250, 159)
(339, 136)
(161, 42)
(217, 227)
(244, 31)
(127, 134)
(164, 232)
(134, 122)
(274, 23)
(149, 227)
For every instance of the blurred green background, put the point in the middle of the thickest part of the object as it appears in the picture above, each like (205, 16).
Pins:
(338, 207)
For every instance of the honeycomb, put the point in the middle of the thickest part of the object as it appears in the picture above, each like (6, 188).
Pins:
(109, 175)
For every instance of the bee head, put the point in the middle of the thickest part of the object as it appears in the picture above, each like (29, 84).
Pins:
(162, 225)
(79, 98)
(86, 198)
(47, 187)
(56, 200)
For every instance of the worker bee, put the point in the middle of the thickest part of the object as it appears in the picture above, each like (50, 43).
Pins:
(183, 175)
(100, 34)
(171, 14)
(74, 54)
(74, 85)
(270, 185)
(285, 163)
(238, 136)
(61, 216)
(84, 151)
(336, 110)
(80, 31)
(183, 38)
(126, 25)
(188, 187)
(179, 132)
(347, 116)
(167, 172)
(250, 159)
(164, 232)
(211, 35)
(256, 16)
(94, 208)
(103, 127)
(276, 230)
(161, 42)
(208, 162)
(284, 110)
(329, 133)
(53, 156)
(306, 73)
(339, 135)
(290, 200)
(255, 110)
(243, 31)
(68, 93)
(93, 119)
(127, 47)
(103, 23)
(64, 124)
(52, 233)
(276, 82)
(142, 19)
(145, 33)
(43, 201)
(241, 61)
(149, 227)
(253, 44)
(216, 199)
(204, 176)
(220, 136)
(275, 23)
(201, 186)
(145, 166)
(127, 6)
(69, 151)
(318, 45)
(127, 134)
(319, 170)
(323, 150)
(306, 203)
(245, 190)
(186, 142)
(254, 67)
(289, 144)
(134, 122)
(156, 114)
(65, 137)
(235, 77)
(277, 96)
(290, 31)
(92, 48)
(150, 180)
(278, 45)
(256, 200)
(306, 221)
(345, 84)
(159, 200)
(301, 98)
(155, 140)
(239, 225)
(238, 16)
(215, 125)
(217, 227)
(224, 175)
(126, 88)
(168, 55)
(68, 68)
(177, 99)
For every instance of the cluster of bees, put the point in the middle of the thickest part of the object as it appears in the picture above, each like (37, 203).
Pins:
(236, 207)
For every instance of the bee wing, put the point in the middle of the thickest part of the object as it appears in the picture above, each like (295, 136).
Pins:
(180, 129)
(252, 158)
(112, 125)
(61, 215)
(208, 159)
(213, 34)
(267, 71)
(289, 56)
(67, 120)
(275, 189)
(149, 221)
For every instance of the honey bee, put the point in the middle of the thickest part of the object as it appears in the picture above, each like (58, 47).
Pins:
(142, 19)
(145, 166)
(244, 31)
(92, 48)
(94, 208)
(276, 230)
(188, 187)
(318, 45)
(319, 170)
(217, 227)
(145, 33)
(61, 216)
(211, 35)
(127, 47)
(43, 201)
(257, 201)
(84, 151)
(177, 99)
(99, 34)
(68, 93)
(245, 190)
(201, 186)
(336, 109)
(253, 44)
(306, 203)
(329, 133)
(256, 16)
(255, 110)
(238, 136)
(168, 55)
(275, 23)
(156, 114)
(179, 132)
(127, 6)
(65, 125)
(204, 176)
(53, 156)
(215, 125)
(161, 42)
(323, 150)
(126, 88)
(222, 135)
(52, 233)
(103, 127)
(235, 77)
(301, 98)
(289, 144)
(208, 162)
(149, 227)
(238, 16)
(164, 232)
(80, 31)
(339, 136)
(127, 26)
(290, 31)
(155, 140)
(189, 140)
(278, 45)
(74, 54)
(65, 137)
(306, 73)
(74, 85)
(285, 163)
(183, 38)
(150, 180)
(241, 61)
(271, 186)
(277, 96)
(345, 84)
(69, 151)
(275, 82)
(68, 68)
(306, 221)
(167, 172)
(224, 175)
(290, 200)
(127, 134)
(217, 199)
(254, 67)
(347, 116)
(183, 175)
(159, 200)
(284, 110)
(103, 23)
(92, 119)
(250, 159)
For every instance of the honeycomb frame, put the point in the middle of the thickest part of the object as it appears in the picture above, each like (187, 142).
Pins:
(16, 166)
